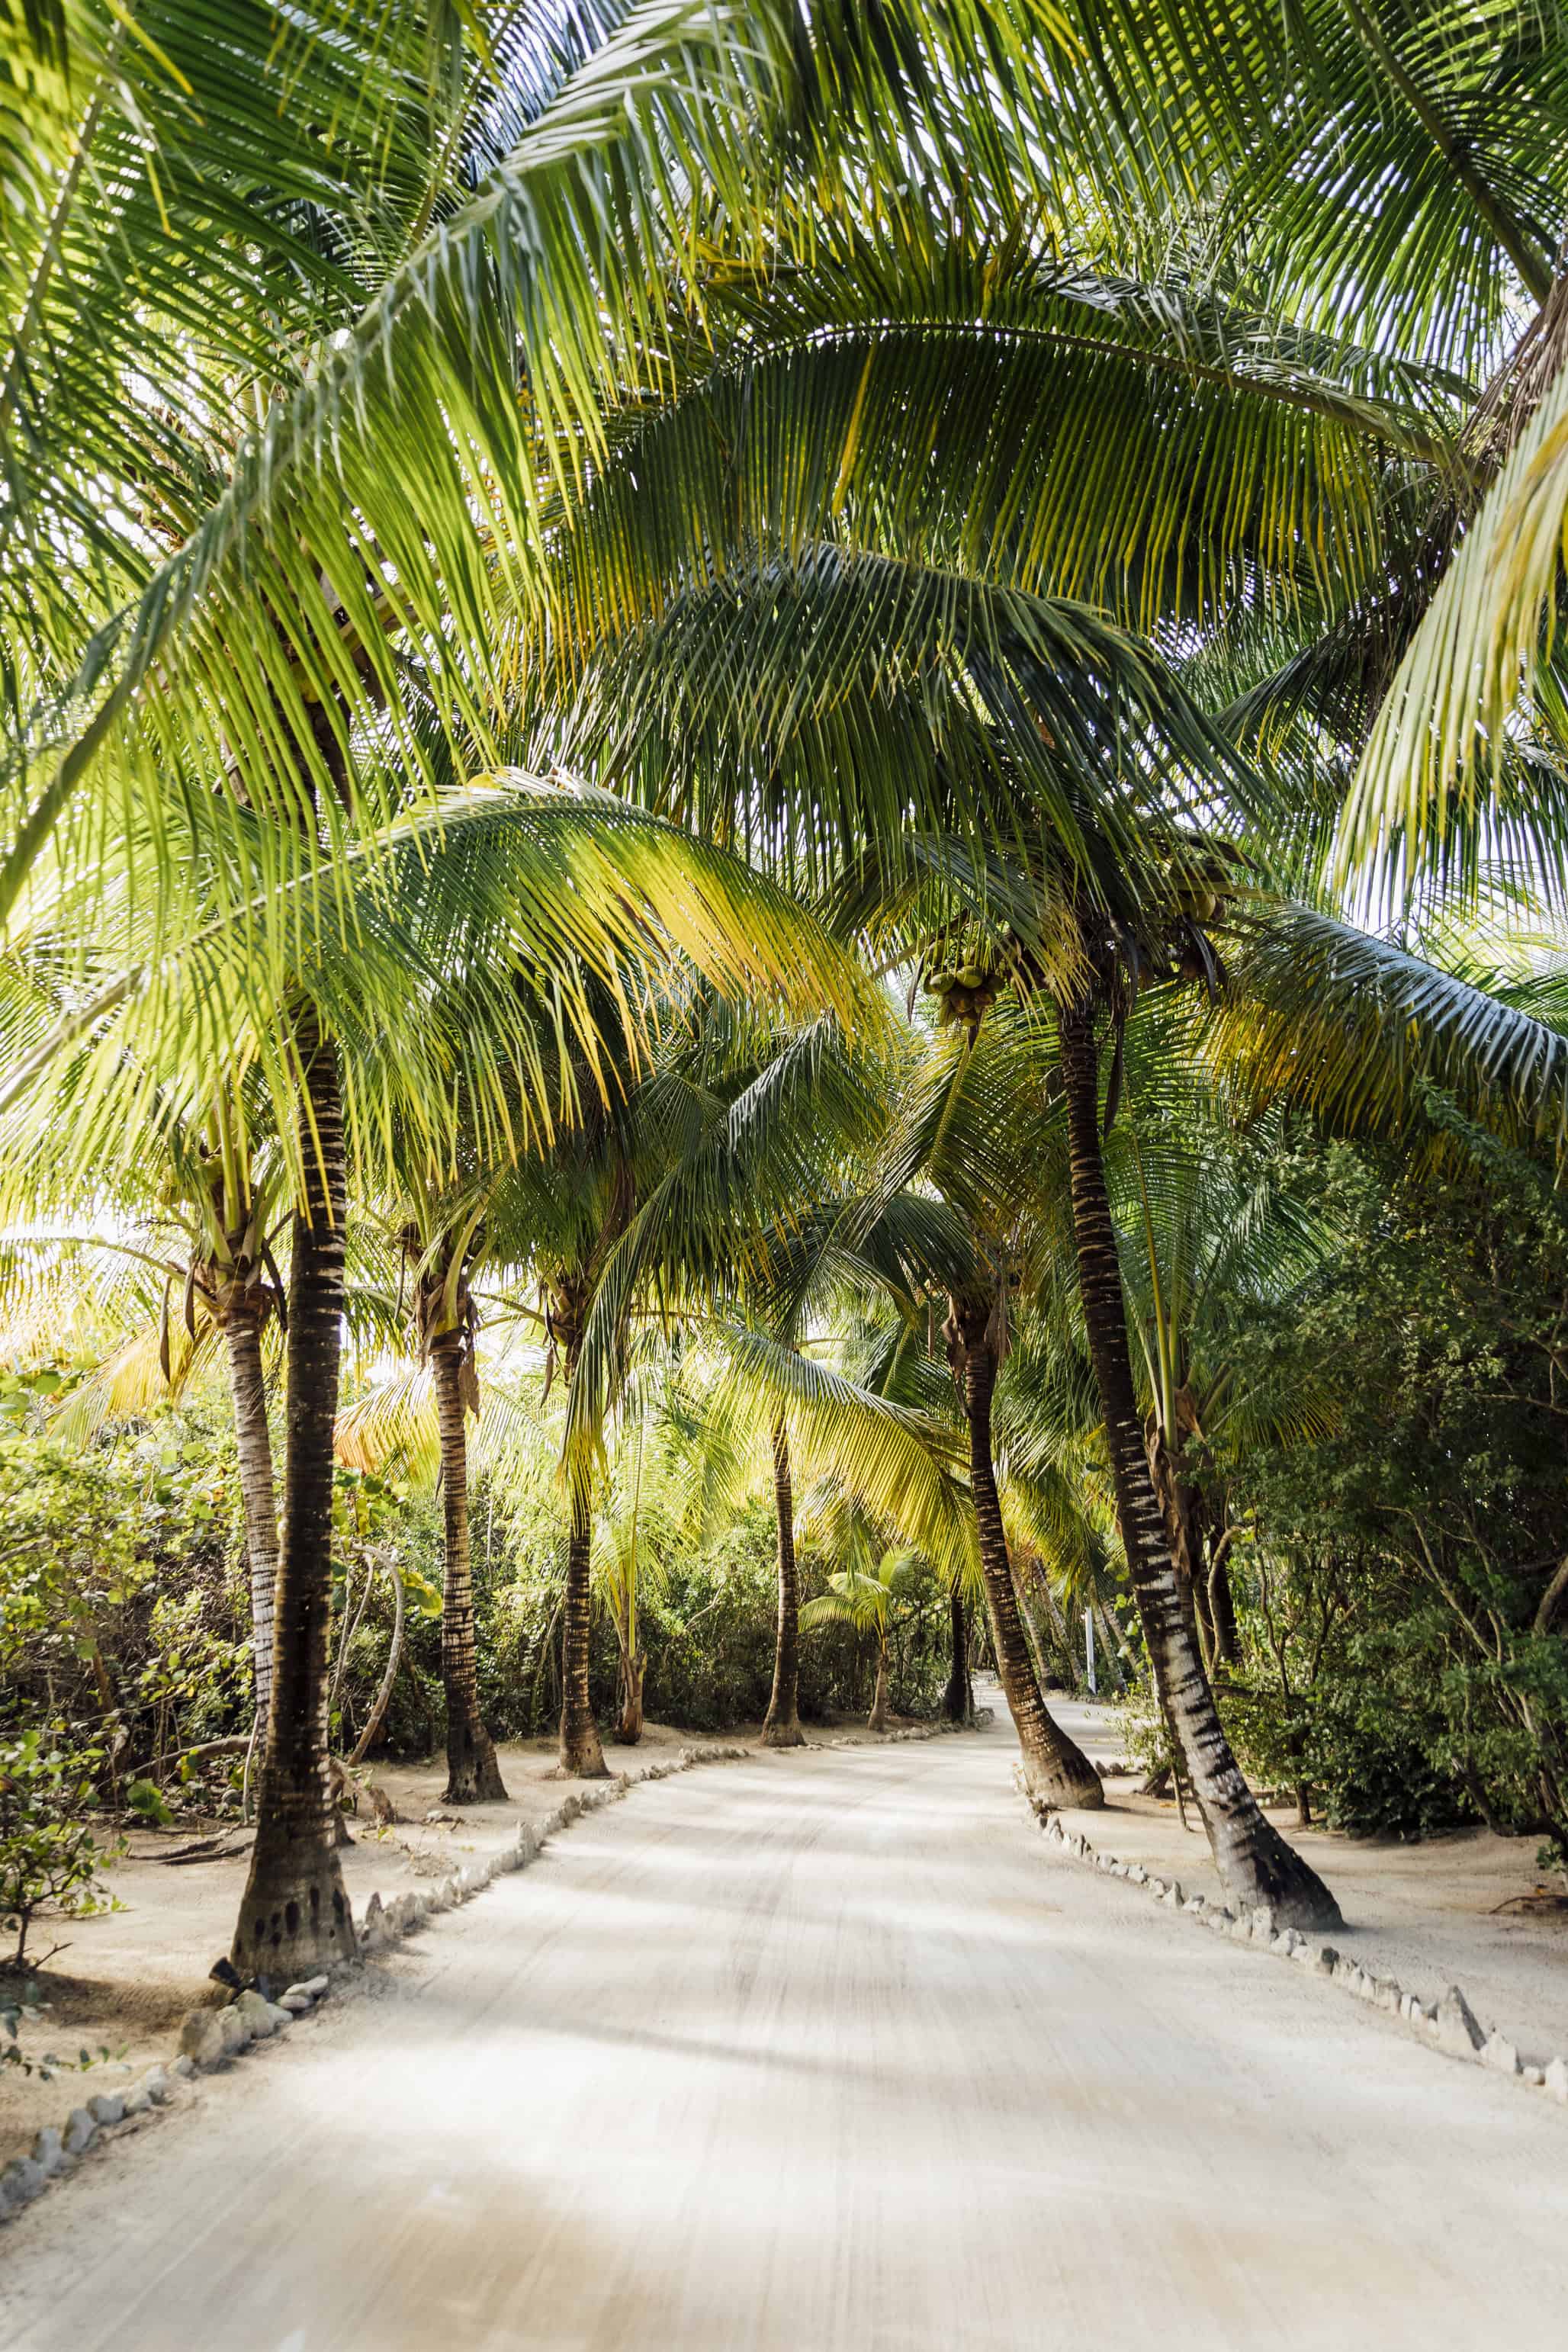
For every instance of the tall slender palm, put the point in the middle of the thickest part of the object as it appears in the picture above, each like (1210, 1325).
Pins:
(890, 1460)
(205, 1229)
(986, 1170)
(955, 1130)
(294, 1913)
(780, 1725)
(1249, 1851)
(801, 1265)
(446, 1324)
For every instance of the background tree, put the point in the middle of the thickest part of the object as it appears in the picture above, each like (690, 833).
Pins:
(865, 1594)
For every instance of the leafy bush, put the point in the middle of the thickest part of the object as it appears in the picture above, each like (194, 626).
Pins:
(50, 1860)
(1403, 1547)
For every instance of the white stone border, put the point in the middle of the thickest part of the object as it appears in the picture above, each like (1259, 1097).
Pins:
(209, 2038)
(1448, 2025)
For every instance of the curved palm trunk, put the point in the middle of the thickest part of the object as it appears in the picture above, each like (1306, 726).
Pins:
(582, 1755)
(958, 1699)
(294, 1917)
(1055, 1767)
(1222, 1611)
(253, 1441)
(1176, 1505)
(1253, 1860)
(473, 1776)
(878, 1718)
(780, 1727)
(634, 1666)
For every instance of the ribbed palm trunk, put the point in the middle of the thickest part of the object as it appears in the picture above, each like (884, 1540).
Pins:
(629, 1722)
(473, 1775)
(294, 1917)
(253, 1440)
(1055, 1767)
(878, 1719)
(1222, 1609)
(780, 1727)
(581, 1754)
(1176, 1505)
(1254, 1861)
(958, 1699)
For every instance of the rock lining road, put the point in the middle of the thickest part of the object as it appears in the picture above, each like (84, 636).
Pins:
(818, 2053)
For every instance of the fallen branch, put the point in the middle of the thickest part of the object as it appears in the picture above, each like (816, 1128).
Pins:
(212, 1849)
(205, 1753)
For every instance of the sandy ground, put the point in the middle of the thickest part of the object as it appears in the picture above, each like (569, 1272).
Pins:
(1426, 1914)
(816, 2053)
(126, 1977)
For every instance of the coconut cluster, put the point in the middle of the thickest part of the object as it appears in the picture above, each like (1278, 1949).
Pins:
(967, 976)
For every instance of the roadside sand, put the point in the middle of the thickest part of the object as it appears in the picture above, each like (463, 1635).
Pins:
(1426, 1914)
(126, 1977)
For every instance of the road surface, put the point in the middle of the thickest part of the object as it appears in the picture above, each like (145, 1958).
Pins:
(822, 2053)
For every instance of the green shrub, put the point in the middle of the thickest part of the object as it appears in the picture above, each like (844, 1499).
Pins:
(50, 1860)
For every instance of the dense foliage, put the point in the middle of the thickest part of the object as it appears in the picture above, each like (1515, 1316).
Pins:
(782, 834)
(1403, 1567)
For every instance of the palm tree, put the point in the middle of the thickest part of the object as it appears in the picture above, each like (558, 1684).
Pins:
(214, 1197)
(650, 1205)
(445, 1324)
(780, 1725)
(960, 1131)
(417, 985)
(801, 1264)
(294, 1913)
(864, 1595)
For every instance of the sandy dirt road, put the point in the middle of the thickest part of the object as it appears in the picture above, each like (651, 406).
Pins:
(811, 2053)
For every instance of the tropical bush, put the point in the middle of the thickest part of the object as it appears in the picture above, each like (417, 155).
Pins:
(1401, 1599)
(50, 1860)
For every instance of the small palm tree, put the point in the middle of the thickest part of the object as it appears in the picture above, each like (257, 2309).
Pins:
(865, 1595)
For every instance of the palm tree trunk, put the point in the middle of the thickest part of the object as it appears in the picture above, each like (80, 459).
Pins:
(634, 1665)
(473, 1775)
(1195, 1520)
(1055, 1767)
(1165, 1472)
(253, 1440)
(1254, 1861)
(294, 1917)
(1222, 1609)
(581, 1756)
(781, 1725)
(878, 1718)
(958, 1699)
